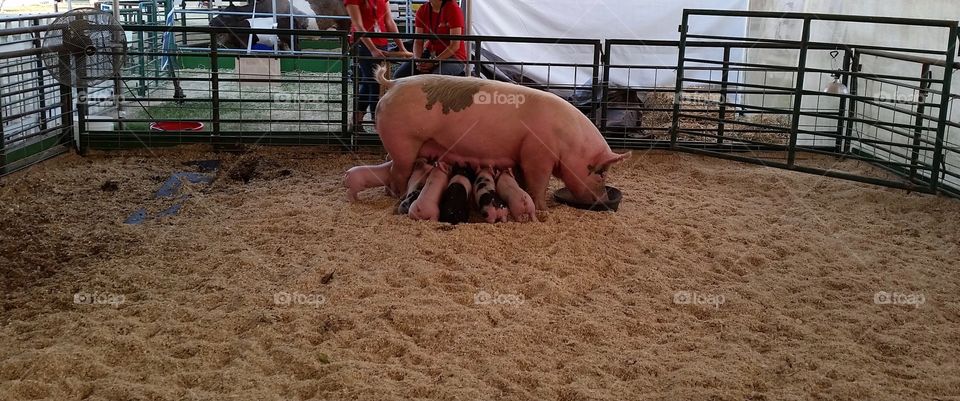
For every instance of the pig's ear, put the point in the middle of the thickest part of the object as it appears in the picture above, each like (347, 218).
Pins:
(606, 160)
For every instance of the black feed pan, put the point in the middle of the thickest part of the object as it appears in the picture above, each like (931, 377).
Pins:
(614, 197)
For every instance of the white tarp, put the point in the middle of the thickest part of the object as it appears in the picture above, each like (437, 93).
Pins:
(601, 19)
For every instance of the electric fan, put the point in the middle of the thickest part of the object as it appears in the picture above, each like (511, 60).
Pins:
(84, 47)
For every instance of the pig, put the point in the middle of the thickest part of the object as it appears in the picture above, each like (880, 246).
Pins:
(427, 205)
(467, 120)
(455, 203)
(414, 185)
(521, 205)
(489, 203)
(360, 178)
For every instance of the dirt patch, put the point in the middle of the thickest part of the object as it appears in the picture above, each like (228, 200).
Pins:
(715, 280)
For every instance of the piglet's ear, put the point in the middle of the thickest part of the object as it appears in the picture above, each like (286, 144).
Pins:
(606, 160)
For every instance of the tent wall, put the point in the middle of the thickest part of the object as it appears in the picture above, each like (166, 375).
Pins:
(602, 19)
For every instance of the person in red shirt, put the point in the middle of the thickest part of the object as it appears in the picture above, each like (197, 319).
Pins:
(439, 17)
(369, 16)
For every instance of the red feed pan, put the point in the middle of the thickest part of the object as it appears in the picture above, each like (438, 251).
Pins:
(176, 126)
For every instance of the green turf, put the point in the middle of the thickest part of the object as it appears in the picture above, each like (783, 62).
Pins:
(188, 111)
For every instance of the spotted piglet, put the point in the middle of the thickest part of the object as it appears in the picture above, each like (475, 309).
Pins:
(519, 201)
(455, 203)
(427, 205)
(489, 203)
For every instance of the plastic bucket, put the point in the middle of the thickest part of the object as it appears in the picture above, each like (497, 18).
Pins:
(176, 126)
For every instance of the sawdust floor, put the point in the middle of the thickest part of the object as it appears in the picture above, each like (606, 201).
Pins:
(715, 280)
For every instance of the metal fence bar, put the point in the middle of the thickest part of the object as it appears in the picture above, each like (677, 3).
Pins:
(798, 94)
(3, 141)
(681, 55)
(856, 67)
(597, 84)
(841, 122)
(215, 87)
(40, 85)
(725, 79)
(948, 69)
(605, 87)
(918, 133)
(344, 88)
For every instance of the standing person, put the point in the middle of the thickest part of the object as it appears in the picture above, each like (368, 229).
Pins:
(445, 57)
(369, 16)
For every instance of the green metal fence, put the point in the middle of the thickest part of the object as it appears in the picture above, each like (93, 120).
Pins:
(720, 105)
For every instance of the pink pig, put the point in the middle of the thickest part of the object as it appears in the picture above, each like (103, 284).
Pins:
(360, 178)
(465, 120)
(427, 205)
(519, 202)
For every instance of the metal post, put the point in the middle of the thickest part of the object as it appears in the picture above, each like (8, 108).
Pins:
(724, 79)
(605, 88)
(798, 92)
(468, 10)
(476, 58)
(854, 67)
(408, 25)
(355, 63)
(344, 88)
(66, 116)
(142, 68)
(843, 103)
(3, 141)
(938, 154)
(215, 87)
(921, 109)
(675, 128)
(40, 89)
(596, 87)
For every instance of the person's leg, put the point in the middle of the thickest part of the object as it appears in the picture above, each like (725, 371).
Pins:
(405, 70)
(455, 68)
(365, 90)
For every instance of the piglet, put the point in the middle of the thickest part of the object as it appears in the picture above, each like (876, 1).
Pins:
(519, 201)
(360, 178)
(489, 203)
(414, 185)
(427, 205)
(455, 203)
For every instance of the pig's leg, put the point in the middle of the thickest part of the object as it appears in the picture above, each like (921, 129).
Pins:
(427, 206)
(536, 177)
(521, 205)
(360, 178)
(404, 152)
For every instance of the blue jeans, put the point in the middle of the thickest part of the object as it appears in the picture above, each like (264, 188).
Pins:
(451, 67)
(368, 92)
